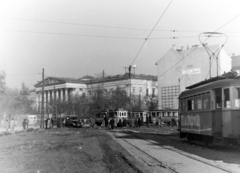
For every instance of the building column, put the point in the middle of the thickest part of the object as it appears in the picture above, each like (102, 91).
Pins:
(67, 94)
(57, 94)
(61, 93)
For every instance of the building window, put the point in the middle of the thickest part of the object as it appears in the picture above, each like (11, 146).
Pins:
(168, 95)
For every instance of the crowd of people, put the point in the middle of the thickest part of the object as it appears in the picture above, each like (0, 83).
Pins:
(135, 122)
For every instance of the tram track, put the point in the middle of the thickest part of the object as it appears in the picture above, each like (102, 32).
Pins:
(162, 164)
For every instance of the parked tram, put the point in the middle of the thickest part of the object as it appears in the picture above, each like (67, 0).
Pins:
(210, 111)
(116, 114)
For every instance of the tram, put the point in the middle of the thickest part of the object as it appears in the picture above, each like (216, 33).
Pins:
(116, 114)
(210, 110)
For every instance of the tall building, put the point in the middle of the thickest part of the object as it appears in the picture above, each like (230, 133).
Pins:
(180, 68)
(236, 63)
(63, 88)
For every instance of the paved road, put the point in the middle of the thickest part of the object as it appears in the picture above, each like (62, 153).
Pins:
(168, 159)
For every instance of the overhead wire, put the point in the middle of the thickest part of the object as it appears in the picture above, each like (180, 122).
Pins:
(97, 36)
(151, 32)
(94, 25)
(104, 26)
(198, 45)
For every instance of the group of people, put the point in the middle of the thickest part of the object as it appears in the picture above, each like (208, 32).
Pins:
(9, 125)
(135, 122)
(112, 122)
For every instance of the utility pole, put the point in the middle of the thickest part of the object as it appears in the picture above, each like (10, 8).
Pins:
(130, 93)
(130, 86)
(42, 116)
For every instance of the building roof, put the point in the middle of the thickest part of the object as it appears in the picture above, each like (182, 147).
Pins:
(91, 80)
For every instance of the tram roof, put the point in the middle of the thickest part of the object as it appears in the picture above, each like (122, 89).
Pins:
(211, 85)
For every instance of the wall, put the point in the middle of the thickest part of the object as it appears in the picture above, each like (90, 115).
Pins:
(186, 67)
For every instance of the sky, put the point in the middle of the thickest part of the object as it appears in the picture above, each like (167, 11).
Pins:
(84, 37)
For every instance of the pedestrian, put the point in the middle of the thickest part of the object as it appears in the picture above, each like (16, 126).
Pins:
(139, 122)
(120, 123)
(160, 121)
(24, 124)
(124, 122)
(51, 122)
(12, 124)
(6, 125)
(103, 123)
(106, 121)
(27, 123)
(112, 123)
(172, 122)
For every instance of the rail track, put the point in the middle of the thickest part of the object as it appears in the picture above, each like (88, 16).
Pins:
(162, 164)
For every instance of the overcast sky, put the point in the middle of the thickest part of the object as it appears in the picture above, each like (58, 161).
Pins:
(73, 38)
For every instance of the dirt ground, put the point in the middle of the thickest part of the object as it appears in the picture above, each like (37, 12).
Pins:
(65, 150)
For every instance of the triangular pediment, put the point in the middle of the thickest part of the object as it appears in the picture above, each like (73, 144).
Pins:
(50, 81)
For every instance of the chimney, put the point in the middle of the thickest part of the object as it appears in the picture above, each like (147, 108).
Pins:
(174, 46)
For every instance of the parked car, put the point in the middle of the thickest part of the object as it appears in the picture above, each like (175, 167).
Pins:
(72, 120)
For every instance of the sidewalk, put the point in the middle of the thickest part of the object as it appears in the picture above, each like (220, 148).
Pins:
(164, 130)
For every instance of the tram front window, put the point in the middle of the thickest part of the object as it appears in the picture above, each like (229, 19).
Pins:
(236, 97)
(226, 98)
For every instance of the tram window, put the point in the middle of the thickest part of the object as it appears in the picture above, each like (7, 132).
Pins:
(183, 105)
(153, 114)
(198, 102)
(236, 97)
(206, 101)
(190, 105)
(226, 98)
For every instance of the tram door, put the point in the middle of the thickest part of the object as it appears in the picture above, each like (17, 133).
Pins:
(217, 114)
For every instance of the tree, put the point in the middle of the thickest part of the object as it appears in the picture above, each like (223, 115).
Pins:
(2, 82)
(151, 102)
(119, 99)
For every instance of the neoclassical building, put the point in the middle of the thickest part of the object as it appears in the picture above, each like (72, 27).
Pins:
(64, 88)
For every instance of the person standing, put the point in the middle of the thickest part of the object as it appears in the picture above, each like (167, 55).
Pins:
(24, 124)
(12, 124)
(112, 123)
(160, 121)
(139, 122)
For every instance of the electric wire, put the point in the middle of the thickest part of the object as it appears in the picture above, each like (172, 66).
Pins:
(94, 25)
(151, 32)
(198, 45)
(106, 26)
(96, 36)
